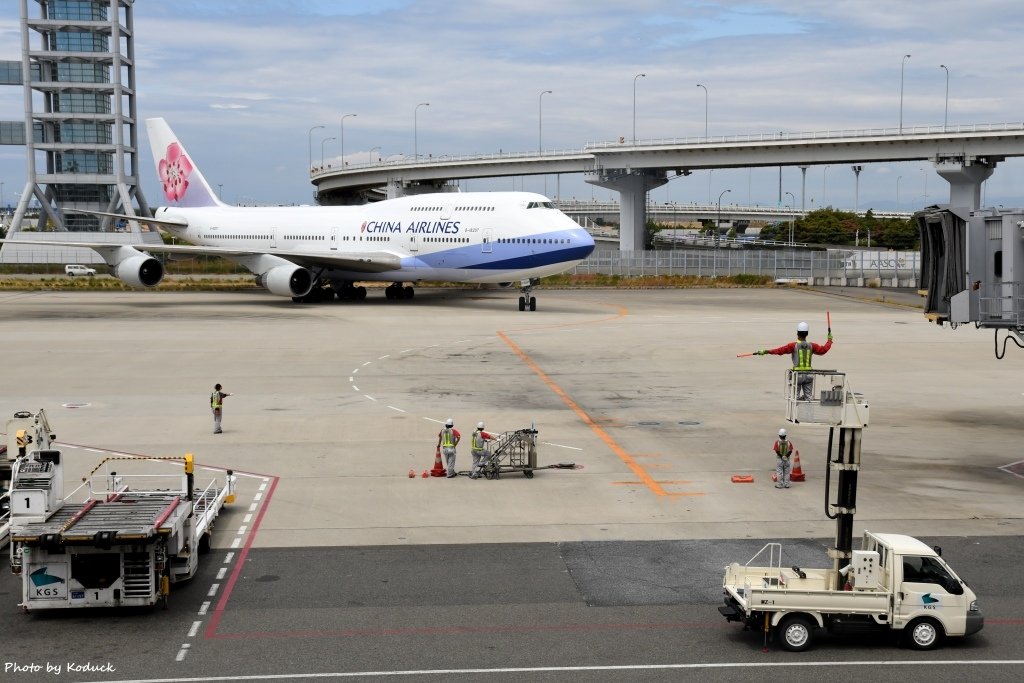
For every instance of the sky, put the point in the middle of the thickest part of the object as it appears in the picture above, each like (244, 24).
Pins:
(242, 82)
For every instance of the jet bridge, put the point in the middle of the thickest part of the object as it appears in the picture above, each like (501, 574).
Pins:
(972, 269)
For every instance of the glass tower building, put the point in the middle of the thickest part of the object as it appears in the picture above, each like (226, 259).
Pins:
(80, 128)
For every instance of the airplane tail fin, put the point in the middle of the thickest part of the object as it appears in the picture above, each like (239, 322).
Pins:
(182, 182)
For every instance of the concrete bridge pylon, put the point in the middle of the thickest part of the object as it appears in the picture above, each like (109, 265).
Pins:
(632, 186)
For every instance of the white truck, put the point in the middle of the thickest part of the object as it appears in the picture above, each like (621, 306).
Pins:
(893, 583)
(118, 540)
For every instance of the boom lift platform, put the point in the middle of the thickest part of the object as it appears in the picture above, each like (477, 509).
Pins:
(892, 583)
(118, 540)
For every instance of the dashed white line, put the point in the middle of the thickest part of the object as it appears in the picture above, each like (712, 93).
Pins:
(367, 363)
(241, 530)
(263, 486)
(430, 419)
(355, 388)
(252, 508)
(355, 371)
(408, 350)
(93, 450)
(182, 652)
(387, 355)
(397, 409)
(221, 572)
(369, 397)
(213, 590)
(228, 558)
(247, 519)
(235, 543)
(257, 496)
(558, 445)
(203, 608)
(195, 629)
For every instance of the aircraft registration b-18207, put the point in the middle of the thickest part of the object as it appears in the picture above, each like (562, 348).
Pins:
(314, 252)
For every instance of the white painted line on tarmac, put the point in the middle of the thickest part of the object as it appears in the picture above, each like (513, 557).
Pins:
(228, 558)
(398, 409)
(235, 543)
(241, 530)
(252, 508)
(221, 572)
(386, 355)
(367, 363)
(559, 445)
(213, 590)
(355, 371)
(576, 669)
(1006, 468)
(430, 419)
(93, 450)
(257, 496)
(195, 629)
(263, 486)
(370, 397)
(247, 519)
(351, 379)
(182, 652)
(203, 608)
(409, 350)
(355, 388)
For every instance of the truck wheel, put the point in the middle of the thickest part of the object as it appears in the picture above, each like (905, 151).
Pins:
(796, 633)
(923, 634)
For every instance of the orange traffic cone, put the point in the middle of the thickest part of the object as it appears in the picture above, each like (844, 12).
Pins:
(425, 474)
(798, 473)
(438, 470)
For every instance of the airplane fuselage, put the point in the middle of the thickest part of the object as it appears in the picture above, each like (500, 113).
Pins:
(483, 237)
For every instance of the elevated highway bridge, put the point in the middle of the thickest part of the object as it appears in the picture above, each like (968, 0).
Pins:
(964, 155)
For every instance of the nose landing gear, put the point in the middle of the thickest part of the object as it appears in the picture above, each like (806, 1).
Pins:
(525, 286)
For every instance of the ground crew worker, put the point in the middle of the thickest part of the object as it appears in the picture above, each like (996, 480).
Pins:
(801, 352)
(447, 439)
(783, 450)
(216, 405)
(481, 451)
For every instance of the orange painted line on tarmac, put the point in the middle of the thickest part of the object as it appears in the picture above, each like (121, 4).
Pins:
(639, 471)
(666, 482)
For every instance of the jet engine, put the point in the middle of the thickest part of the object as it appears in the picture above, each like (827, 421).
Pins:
(290, 280)
(140, 270)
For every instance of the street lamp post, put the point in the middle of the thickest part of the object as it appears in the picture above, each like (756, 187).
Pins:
(898, 179)
(415, 131)
(220, 191)
(791, 216)
(634, 104)
(856, 188)
(699, 85)
(824, 189)
(343, 138)
(322, 143)
(945, 116)
(311, 146)
(718, 227)
(540, 121)
(903, 65)
(371, 154)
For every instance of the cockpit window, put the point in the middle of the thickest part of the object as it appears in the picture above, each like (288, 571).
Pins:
(540, 205)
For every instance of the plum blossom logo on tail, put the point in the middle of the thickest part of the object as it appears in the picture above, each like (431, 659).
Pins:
(175, 168)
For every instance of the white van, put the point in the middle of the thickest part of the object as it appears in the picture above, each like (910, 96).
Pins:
(73, 269)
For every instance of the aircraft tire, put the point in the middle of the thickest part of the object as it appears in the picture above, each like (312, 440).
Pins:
(522, 303)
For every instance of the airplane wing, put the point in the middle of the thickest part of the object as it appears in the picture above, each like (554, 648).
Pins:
(363, 262)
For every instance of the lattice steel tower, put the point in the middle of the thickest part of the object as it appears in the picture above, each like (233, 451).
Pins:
(78, 74)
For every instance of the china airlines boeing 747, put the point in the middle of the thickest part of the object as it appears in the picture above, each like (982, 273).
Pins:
(314, 252)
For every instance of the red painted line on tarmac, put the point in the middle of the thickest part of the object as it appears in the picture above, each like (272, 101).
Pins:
(218, 611)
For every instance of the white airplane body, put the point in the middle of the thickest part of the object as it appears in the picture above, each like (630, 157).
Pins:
(306, 252)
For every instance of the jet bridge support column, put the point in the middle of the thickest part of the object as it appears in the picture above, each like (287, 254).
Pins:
(632, 187)
(965, 176)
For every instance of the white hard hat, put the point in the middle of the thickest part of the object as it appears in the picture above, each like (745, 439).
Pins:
(449, 422)
(801, 327)
(479, 425)
(782, 433)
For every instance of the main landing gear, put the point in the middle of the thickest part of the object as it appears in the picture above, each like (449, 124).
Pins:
(397, 291)
(526, 300)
